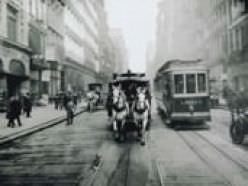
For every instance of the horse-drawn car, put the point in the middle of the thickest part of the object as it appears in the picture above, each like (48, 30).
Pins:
(130, 105)
(95, 96)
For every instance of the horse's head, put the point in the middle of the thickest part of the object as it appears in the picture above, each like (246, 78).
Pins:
(116, 94)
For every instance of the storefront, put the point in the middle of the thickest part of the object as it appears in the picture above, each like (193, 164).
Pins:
(16, 78)
(14, 70)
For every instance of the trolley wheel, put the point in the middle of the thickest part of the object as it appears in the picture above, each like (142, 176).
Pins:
(237, 133)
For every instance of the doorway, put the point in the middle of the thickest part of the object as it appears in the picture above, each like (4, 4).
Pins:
(14, 84)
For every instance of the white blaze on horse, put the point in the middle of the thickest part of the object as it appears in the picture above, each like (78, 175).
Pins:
(140, 112)
(120, 112)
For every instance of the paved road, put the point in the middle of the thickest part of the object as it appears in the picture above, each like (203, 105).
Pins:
(66, 155)
(58, 155)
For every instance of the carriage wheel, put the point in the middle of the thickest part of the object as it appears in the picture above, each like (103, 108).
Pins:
(237, 133)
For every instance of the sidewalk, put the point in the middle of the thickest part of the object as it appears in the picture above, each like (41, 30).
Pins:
(41, 117)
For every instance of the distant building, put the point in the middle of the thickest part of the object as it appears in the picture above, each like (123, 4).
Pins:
(193, 29)
(121, 53)
(179, 31)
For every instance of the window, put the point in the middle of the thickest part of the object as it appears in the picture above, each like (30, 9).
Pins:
(12, 23)
(201, 82)
(190, 83)
(179, 84)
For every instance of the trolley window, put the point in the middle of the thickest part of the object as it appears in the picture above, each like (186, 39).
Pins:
(179, 83)
(190, 83)
(202, 87)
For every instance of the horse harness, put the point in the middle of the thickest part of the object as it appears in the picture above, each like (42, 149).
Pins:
(140, 110)
(116, 106)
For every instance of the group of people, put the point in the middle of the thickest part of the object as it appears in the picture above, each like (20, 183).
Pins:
(16, 106)
(59, 100)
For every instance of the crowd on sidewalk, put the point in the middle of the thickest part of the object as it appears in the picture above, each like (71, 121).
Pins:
(23, 104)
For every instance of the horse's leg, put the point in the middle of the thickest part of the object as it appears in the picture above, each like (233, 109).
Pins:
(115, 129)
(123, 129)
(137, 127)
(143, 129)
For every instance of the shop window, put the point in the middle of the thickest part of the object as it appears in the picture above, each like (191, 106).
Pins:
(190, 83)
(179, 83)
(12, 23)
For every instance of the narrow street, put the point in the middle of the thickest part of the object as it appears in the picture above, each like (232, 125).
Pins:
(86, 154)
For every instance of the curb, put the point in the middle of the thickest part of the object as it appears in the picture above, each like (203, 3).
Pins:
(36, 128)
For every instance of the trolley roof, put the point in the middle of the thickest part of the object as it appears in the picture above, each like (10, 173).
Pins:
(178, 65)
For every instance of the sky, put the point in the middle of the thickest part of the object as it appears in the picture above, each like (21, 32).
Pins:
(137, 21)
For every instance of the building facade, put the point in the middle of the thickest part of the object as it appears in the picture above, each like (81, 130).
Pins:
(179, 31)
(14, 48)
(83, 25)
(237, 74)
(120, 51)
(37, 11)
(53, 76)
(48, 46)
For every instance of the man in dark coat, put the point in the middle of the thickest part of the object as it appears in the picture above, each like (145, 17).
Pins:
(14, 111)
(27, 105)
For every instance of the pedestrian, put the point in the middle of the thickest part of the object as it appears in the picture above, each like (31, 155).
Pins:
(27, 105)
(75, 99)
(14, 111)
(56, 101)
(69, 107)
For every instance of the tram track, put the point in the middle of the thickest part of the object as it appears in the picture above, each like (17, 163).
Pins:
(208, 158)
(203, 157)
(227, 155)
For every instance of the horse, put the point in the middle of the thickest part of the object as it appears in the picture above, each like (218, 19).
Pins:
(120, 112)
(140, 110)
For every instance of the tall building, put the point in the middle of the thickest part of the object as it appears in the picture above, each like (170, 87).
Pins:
(14, 48)
(37, 10)
(192, 29)
(120, 50)
(237, 74)
(54, 52)
(84, 21)
(106, 55)
(179, 31)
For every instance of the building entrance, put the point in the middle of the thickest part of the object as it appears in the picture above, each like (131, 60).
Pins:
(14, 84)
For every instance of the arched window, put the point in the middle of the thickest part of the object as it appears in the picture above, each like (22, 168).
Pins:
(17, 68)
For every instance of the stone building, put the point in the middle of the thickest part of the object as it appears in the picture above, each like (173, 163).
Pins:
(53, 76)
(236, 71)
(14, 48)
(82, 43)
(37, 25)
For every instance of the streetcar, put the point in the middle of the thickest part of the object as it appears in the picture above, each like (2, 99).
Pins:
(182, 91)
